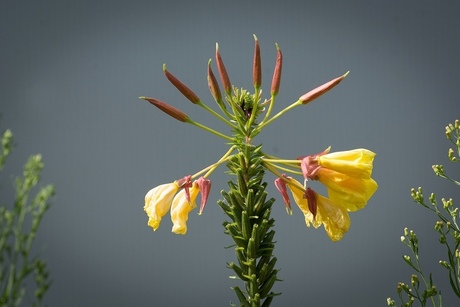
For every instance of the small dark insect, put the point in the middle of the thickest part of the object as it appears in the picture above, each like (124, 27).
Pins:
(246, 107)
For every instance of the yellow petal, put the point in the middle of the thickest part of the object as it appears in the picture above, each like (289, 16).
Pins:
(350, 192)
(297, 192)
(158, 201)
(334, 217)
(354, 163)
(180, 209)
(310, 220)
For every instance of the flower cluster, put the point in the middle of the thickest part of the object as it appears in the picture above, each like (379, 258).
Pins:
(346, 174)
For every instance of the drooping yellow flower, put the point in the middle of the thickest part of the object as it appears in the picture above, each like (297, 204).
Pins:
(181, 207)
(346, 174)
(319, 210)
(158, 201)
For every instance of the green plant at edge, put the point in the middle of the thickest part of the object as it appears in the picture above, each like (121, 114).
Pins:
(18, 229)
(449, 236)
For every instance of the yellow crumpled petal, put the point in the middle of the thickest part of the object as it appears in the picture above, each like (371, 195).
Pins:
(158, 201)
(180, 209)
(333, 216)
(297, 192)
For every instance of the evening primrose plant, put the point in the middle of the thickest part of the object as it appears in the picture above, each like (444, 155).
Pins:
(346, 175)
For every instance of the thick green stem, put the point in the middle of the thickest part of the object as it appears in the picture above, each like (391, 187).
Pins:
(251, 225)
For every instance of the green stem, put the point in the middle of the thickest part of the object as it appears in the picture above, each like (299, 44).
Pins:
(288, 108)
(269, 110)
(250, 224)
(216, 114)
(209, 129)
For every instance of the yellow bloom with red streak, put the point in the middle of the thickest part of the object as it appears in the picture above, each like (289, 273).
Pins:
(346, 174)
(181, 207)
(319, 210)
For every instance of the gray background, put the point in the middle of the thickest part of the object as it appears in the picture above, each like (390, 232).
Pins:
(70, 75)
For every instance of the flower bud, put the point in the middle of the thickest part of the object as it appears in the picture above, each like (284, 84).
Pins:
(277, 73)
(439, 225)
(448, 132)
(281, 186)
(256, 68)
(390, 302)
(320, 90)
(205, 187)
(187, 92)
(438, 169)
(414, 281)
(432, 198)
(170, 110)
(223, 72)
(214, 86)
(442, 239)
(444, 263)
(451, 156)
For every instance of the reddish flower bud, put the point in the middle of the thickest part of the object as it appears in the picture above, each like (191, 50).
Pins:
(320, 90)
(223, 72)
(281, 186)
(205, 187)
(214, 86)
(187, 92)
(277, 73)
(256, 69)
(170, 110)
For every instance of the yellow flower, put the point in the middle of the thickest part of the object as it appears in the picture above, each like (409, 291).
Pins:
(158, 201)
(319, 210)
(181, 207)
(346, 174)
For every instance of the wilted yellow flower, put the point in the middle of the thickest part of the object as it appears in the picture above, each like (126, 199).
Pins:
(319, 210)
(158, 201)
(346, 174)
(331, 214)
(181, 207)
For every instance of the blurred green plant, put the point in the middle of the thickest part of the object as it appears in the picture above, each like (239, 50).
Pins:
(449, 236)
(18, 229)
